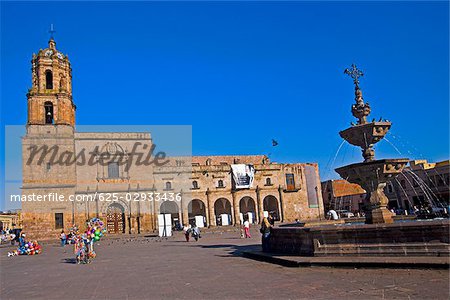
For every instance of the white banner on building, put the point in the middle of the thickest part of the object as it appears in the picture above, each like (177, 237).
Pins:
(243, 176)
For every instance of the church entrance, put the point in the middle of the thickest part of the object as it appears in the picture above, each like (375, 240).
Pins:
(115, 218)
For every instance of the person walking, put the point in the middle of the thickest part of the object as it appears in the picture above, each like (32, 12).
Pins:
(265, 231)
(196, 232)
(247, 229)
(63, 238)
(187, 231)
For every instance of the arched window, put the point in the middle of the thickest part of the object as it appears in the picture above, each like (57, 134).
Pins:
(168, 185)
(113, 170)
(194, 184)
(268, 181)
(220, 183)
(48, 108)
(48, 80)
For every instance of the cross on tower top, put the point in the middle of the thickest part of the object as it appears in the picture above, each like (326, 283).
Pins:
(354, 73)
(51, 31)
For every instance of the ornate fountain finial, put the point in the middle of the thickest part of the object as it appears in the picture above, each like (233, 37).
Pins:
(354, 73)
(360, 110)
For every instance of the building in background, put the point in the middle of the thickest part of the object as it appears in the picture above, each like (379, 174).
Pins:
(341, 195)
(421, 184)
(212, 190)
(10, 220)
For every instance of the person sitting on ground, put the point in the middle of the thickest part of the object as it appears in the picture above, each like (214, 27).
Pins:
(332, 215)
(22, 239)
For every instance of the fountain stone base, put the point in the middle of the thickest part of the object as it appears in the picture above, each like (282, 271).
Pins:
(413, 238)
(379, 215)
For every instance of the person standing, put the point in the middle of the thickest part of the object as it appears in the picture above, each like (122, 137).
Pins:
(196, 232)
(247, 229)
(63, 238)
(265, 231)
(187, 232)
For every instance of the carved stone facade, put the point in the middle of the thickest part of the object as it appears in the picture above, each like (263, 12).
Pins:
(101, 187)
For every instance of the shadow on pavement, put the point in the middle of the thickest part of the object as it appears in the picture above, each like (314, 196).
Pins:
(69, 260)
(234, 250)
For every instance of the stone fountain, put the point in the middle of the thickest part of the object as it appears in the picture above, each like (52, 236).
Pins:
(380, 236)
(371, 174)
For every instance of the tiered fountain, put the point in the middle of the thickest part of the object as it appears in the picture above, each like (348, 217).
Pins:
(380, 236)
(371, 174)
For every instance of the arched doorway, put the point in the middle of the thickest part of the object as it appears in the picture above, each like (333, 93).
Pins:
(197, 213)
(115, 218)
(170, 207)
(248, 209)
(222, 212)
(270, 207)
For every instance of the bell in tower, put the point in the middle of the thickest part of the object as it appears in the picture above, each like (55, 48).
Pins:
(50, 96)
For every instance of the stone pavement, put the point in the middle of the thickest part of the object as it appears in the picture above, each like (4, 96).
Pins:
(212, 268)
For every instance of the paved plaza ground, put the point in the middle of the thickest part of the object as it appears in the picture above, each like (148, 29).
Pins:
(211, 268)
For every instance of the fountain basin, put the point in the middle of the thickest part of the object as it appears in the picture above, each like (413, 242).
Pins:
(370, 174)
(415, 238)
(364, 135)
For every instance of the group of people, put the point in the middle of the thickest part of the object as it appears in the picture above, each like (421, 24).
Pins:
(7, 236)
(193, 231)
(266, 225)
(84, 242)
(26, 247)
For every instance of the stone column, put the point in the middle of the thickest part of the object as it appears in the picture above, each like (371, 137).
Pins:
(257, 208)
(259, 201)
(212, 218)
(236, 211)
(281, 206)
(208, 222)
(184, 209)
(154, 211)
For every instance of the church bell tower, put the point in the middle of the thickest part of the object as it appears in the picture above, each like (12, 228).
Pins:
(50, 97)
(50, 134)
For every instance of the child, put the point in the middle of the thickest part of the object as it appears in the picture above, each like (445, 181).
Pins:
(63, 238)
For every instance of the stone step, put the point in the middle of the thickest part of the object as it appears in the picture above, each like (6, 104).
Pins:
(388, 246)
(382, 253)
(413, 249)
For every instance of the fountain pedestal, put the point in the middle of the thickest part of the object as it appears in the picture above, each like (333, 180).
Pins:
(372, 177)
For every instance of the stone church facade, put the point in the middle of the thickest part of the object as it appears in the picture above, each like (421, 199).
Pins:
(101, 186)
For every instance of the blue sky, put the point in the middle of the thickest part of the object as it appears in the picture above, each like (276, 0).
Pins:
(242, 73)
